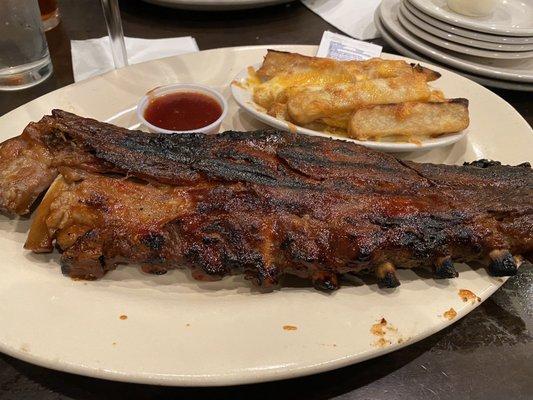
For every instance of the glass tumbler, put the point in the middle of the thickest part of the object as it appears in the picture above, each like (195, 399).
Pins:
(24, 57)
(49, 14)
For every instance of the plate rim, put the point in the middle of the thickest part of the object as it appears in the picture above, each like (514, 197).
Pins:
(234, 379)
(486, 37)
(215, 5)
(226, 380)
(472, 25)
(454, 37)
(459, 47)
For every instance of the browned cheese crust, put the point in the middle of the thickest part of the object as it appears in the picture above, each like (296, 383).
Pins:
(376, 99)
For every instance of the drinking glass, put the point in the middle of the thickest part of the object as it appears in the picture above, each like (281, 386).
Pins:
(24, 57)
(116, 34)
(49, 14)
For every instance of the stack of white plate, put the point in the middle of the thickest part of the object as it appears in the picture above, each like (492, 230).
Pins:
(495, 51)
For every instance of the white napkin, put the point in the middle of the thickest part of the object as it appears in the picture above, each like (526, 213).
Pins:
(353, 17)
(93, 56)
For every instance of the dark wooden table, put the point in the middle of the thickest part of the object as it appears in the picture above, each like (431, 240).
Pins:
(486, 355)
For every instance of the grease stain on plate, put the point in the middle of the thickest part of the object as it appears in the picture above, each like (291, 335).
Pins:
(403, 340)
(467, 295)
(289, 327)
(382, 342)
(379, 328)
(450, 314)
(383, 330)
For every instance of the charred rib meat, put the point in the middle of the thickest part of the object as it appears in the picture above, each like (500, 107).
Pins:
(262, 203)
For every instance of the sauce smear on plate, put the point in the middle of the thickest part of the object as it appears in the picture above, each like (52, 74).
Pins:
(182, 111)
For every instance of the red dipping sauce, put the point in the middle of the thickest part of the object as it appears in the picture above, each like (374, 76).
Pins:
(182, 111)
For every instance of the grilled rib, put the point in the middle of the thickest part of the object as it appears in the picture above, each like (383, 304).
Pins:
(264, 203)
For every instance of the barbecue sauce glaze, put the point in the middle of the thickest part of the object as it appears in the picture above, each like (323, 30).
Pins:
(182, 111)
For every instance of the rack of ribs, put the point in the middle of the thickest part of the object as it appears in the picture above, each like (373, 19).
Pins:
(264, 203)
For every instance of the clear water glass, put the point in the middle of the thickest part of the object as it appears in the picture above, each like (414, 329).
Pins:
(116, 35)
(24, 57)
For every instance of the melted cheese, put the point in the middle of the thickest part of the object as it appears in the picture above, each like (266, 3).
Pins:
(267, 93)
(325, 94)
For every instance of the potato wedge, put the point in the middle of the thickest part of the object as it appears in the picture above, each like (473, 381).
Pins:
(272, 91)
(315, 102)
(279, 62)
(409, 120)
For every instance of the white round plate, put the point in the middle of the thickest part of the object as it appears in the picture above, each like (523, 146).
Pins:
(244, 97)
(460, 48)
(400, 48)
(452, 37)
(513, 70)
(487, 37)
(216, 5)
(510, 17)
(184, 332)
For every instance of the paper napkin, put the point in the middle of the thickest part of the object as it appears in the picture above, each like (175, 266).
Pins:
(353, 17)
(93, 56)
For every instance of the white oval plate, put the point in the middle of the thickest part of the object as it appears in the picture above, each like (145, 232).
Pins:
(513, 70)
(216, 5)
(460, 48)
(453, 37)
(185, 332)
(487, 37)
(510, 17)
(400, 48)
(244, 97)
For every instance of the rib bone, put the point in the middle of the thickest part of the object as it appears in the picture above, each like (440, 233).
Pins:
(444, 268)
(386, 274)
(502, 263)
